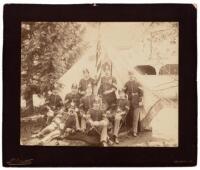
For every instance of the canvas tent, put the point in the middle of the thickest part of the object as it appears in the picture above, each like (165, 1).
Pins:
(126, 45)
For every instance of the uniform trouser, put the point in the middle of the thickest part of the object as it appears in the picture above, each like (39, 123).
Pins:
(51, 136)
(136, 116)
(73, 122)
(51, 131)
(77, 122)
(117, 120)
(48, 129)
(83, 123)
(102, 129)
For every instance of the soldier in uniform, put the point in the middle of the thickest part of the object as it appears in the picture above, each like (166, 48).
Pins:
(53, 104)
(53, 100)
(97, 120)
(72, 96)
(62, 121)
(134, 92)
(107, 88)
(86, 103)
(120, 111)
(85, 81)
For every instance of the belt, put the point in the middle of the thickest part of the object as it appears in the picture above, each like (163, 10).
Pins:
(134, 93)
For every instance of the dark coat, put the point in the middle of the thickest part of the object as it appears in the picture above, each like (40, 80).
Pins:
(96, 115)
(72, 97)
(107, 83)
(86, 102)
(54, 102)
(83, 84)
(134, 92)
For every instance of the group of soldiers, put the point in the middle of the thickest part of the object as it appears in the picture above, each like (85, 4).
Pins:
(86, 111)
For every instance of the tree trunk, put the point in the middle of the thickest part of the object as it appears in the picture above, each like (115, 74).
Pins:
(29, 104)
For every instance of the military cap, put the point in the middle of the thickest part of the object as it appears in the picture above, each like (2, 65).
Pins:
(74, 86)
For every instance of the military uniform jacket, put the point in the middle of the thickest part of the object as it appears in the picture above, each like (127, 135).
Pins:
(134, 92)
(72, 97)
(107, 83)
(83, 84)
(86, 102)
(96, 115)
(54, 102)
(123, 104)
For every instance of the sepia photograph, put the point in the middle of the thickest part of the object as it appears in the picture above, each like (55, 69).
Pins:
(100, 84)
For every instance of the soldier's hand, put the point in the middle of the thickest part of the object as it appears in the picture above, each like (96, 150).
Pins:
(108, 112)
(113, 89)
(95, 123)
(140, 103)
(107, 91)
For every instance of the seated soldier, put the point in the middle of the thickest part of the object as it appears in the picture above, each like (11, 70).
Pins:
(96, 118)
(59, 124)
(53, 103)
(72, 96)
(53, 100)
(49, 115)
(72, 122)
(86, 103)
(118, 113)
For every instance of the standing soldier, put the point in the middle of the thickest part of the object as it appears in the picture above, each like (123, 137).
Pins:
(86, 103)
(107, 88)
(85, 81)
(134, 92)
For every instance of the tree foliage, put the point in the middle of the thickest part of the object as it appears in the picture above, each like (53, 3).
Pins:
(48, 49)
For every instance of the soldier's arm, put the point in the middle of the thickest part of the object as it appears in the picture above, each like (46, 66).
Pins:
(100, 90)
(66, 98)
(60, 102)
(80, 88)
(127, 107)
(88, 116)
(94, 82)
(125, 87)
(114, 81)
(81, 107)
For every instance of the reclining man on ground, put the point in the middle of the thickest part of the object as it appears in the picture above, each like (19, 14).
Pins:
(65, 120)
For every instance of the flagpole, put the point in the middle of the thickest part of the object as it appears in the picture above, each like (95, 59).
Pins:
(98, 59)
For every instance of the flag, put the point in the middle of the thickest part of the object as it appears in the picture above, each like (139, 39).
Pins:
(98, 63)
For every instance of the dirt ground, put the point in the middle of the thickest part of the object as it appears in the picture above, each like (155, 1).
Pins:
(144, 139)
